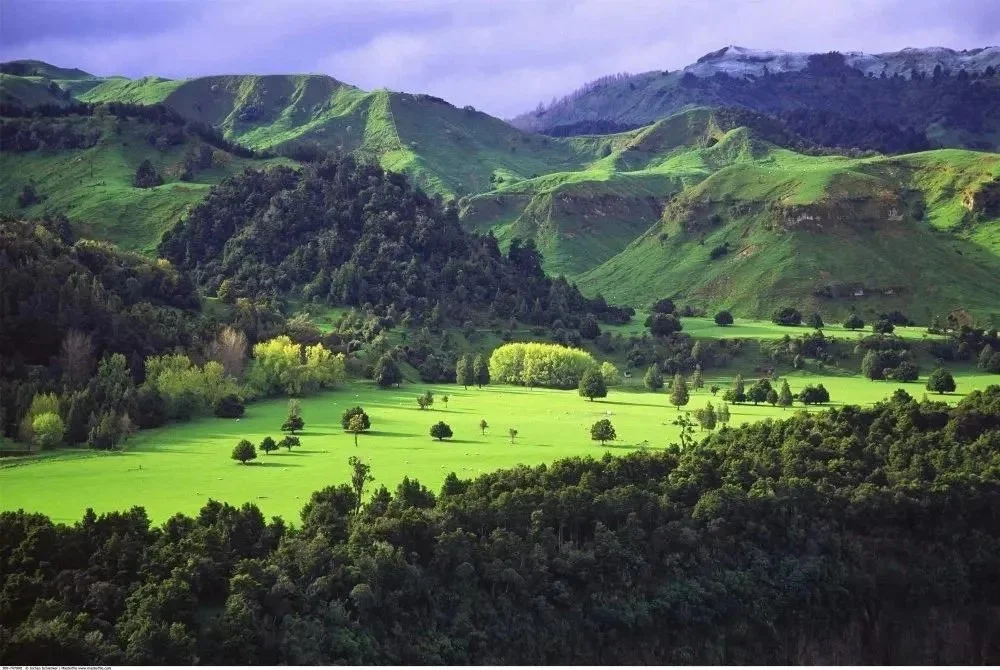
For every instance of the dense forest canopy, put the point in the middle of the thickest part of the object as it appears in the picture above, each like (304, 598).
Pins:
(857, 536)
(345, 232)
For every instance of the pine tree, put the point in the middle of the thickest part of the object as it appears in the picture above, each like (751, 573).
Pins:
(679, 392)
(697, 382)
(653, 379)
(481, 371)
(464, 374)
(785, 395)
(723, 414)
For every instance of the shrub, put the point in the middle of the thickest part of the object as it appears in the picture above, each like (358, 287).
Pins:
(229, 407)
(724, 318)
(539, 364)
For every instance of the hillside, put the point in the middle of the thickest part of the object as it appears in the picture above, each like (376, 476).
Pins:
(83, 167)
(885, 110)
(827, 233)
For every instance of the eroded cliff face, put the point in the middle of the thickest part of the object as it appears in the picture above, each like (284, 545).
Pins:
(983, 200)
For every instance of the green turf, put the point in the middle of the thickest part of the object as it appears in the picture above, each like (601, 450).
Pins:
(184, 465)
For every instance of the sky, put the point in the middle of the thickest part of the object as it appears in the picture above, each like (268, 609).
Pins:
(501, 56)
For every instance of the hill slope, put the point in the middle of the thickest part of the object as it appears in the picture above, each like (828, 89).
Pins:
(819, 92)
(829, 233)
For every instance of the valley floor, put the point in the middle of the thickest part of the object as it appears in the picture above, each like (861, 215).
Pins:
(178, 468)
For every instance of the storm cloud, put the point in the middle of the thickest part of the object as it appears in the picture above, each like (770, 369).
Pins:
(502, 57)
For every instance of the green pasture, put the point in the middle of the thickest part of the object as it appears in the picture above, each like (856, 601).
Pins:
(179, 467)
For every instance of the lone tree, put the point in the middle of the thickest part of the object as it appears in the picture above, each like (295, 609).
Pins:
(267, 445)
(387, 374)
(706, 416)
(653, 379)
(440, 431)
(426, 400)
(679, 392)
(697, 381)
(785, 395)
(289, 441)
(854, 322)
(816, 321)
(345, 420)
(293, 421)
(146, 176)
(513, 434)
(361, 474)
(483, 426)
(941, 381)
(465, 371)
(592, 385)
(244, 451)
(358, 424)
(444, 399)
(883, 327)
(602, 431)
(723, 414)
(723, 318)
(481, 370)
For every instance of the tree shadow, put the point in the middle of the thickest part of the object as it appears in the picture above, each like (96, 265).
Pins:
(272, 464)
(631, 404)
(387, 433)
(453, 441)
(311, 434)
(297, 452)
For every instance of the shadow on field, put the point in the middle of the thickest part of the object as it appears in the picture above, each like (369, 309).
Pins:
(272, 464)
(630, 404)
(310, 433)
(386, 433)
(296, 452)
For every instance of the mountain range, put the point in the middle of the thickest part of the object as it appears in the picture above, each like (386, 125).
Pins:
(834, 182)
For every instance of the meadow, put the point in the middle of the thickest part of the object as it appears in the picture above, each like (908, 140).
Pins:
(180, 467)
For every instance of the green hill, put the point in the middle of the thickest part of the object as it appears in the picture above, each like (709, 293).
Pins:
(90, 181)
(827, 233)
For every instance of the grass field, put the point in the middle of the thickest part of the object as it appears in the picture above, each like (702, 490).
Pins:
(184, 465)
(759, 329)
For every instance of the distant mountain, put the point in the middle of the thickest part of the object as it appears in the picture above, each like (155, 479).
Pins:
(887, 102)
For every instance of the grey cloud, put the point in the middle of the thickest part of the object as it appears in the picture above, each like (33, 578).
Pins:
(503, 57)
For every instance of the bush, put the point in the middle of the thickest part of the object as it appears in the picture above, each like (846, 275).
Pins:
(941, 381)
(787, 316)
(47, 430)
(229, 407)
(663, 306)
(440, 431)
(854, 322)
(723, 318)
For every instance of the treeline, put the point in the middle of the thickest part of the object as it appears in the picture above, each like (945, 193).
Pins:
(860, 536)
(56, 127)
(345, 232)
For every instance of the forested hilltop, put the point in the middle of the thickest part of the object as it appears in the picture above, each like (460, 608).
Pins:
(345, 232)
(856, 536)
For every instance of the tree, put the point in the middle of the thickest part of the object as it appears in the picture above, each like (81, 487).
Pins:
(723, 318)
(757, 393)
(610, 374)
(814, 395)
(440, 430)
(77, 358)
(662, 325)
(941, 381)
(679, 392)
(772, 397)
(787, 316)
(697, 381)
(345, 419)
(686, 429)
(723, 414)
(854, 322)
(465, 371)
(289, 441)
(47, 430)
(146, 175)
(481, 371)
(603, 431)
(883, 327)
(663, 306)
(816, 321)
(444, 399)
(229, 348)
(906, 372)
(513, 434)
(358, 424)
(653, 379)
(267, 445)
(426, 400)
(105, 432)
(360, 476)
(592, 385)
(706, 416)
(483, 426)
(244, 451)
(229, 407)
(784, 395)
(985, 355)
(387, 374)
(293, 421)
(589, 328)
